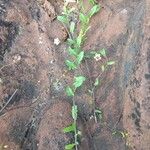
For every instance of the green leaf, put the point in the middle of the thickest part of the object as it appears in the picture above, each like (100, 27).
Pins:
(72, 52)
(80, 57)
(110, 63)
(103, 52)
(65, 10)
(74, 112)
(90, 54)
(94, 10)
(99, 113)
(71, 65)
(70, 42)
(72, 27)
(70, 146)
(69, 91)
(96, 82)
(103, 68)
(62, 19)
(70, 128)
(123, 134)
(93, 2)
(114, 132)
(83, 18)
(79, 40)
(93, 53)
(78, 81)
(82, 33)
(86, 30)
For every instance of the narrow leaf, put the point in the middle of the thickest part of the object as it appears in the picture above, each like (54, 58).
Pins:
(99, 114)
(84, 19)
(71, 65)
(98, 111)
(69, 91)
(62, 19)
(94, 10)
(110, 63)
(96, 82)
(70, 128)
(79, 40)
(80, 57)
(103, 68)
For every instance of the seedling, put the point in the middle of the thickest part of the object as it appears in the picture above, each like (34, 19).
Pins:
(98, 55)
(76, 56)
(70, 91)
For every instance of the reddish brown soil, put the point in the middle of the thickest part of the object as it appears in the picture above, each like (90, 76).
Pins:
(33, 65)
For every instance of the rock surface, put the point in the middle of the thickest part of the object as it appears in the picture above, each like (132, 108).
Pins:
(31, 63)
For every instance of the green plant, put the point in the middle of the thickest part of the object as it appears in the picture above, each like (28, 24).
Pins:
(92, 2)
(75, 42)
(76, 56)
(99, 55)
(70, 91)
(120, 133)
(124, 135)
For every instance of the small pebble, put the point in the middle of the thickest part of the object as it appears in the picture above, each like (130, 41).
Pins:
(56, 41)
(5, 146)
(16, 58)
(124, 11)
(1, 81)
(40, 42)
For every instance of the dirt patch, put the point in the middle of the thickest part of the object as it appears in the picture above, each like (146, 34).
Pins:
(49, 134)
(34, 66)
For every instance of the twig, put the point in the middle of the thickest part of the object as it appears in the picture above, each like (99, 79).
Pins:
(9, 100)
(119, 118)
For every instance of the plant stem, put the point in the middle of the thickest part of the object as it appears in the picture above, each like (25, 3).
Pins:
(93, 95)
(75, 135)
(75, 130)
